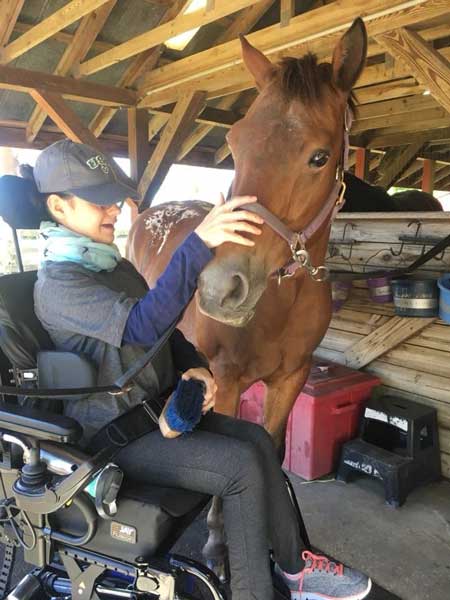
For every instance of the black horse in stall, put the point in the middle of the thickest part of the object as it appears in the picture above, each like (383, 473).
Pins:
(361, 196)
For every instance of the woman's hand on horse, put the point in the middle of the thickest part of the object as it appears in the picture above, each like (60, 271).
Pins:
(224, 223)
(205, 377)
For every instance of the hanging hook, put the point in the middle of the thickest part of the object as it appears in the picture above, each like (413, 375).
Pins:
(397, 252)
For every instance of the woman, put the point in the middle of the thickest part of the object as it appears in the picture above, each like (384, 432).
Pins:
(90, 300)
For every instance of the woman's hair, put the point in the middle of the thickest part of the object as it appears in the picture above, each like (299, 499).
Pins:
(38, 199)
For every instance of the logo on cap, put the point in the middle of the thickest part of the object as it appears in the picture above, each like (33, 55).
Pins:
(98, 161)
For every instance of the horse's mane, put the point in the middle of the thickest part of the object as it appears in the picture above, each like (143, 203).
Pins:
(306, 79)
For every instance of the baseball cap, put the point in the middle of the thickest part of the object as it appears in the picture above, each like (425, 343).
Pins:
(71, 168)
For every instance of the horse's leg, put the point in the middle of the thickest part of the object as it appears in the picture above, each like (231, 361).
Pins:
(215, 550)
(282, 392)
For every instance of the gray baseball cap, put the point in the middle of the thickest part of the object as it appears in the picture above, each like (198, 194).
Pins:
(71, 168)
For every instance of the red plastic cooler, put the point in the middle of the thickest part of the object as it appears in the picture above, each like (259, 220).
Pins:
(325, 415)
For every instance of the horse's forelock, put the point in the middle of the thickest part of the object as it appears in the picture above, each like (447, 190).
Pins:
(305, 79)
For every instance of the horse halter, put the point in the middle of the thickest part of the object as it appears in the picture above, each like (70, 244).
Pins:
(297, 240)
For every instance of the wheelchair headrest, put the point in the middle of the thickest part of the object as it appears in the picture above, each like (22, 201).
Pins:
(18, 203)
(21, 333)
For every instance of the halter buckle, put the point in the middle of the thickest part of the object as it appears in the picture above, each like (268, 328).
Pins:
(340, 200)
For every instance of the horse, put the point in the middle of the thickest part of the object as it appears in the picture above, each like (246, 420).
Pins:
(361, 196)
(253, 316)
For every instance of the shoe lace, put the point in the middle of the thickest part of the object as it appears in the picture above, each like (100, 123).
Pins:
(315, 562)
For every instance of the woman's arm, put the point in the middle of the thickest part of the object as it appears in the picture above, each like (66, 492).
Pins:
(151, 316)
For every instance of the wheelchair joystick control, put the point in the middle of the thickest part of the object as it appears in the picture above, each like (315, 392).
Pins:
(34, 475)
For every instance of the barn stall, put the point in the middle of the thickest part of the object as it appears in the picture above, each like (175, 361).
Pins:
(105, 73)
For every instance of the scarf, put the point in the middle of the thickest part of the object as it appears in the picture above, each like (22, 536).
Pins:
(61, 244)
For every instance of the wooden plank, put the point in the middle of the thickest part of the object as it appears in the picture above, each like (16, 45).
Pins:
(287, 11)
(156, 124)
(158, 35)
(210, 115)
(10, 11)
(222, 153)
(428, 175)
(144, 62)
(408, 118)
(88, 29)
(389, 108)
(138, 146)
(395, 162)
(383, 339)
(65, 118)
(310, 31)
(24, 80)
(401, 139)
(60, 19)
(426, 64)
(165, 153)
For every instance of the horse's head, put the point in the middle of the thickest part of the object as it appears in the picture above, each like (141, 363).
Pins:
(286, 151)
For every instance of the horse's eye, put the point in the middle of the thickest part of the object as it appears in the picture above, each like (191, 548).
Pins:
(319, 159)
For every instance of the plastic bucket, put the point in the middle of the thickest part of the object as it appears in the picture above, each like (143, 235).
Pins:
(340, 291)
(415, 297)
(444, 301)
(380, 289)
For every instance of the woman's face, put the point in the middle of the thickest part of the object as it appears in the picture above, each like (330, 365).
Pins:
(91, 220)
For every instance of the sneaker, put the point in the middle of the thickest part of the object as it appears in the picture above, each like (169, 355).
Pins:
(322, 579)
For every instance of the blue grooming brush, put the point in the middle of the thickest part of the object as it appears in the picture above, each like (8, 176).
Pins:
(184, 409)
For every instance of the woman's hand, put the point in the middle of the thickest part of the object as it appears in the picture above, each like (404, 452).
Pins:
(223, 223)
(205, 377)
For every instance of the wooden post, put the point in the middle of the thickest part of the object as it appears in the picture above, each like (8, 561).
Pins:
(287, 11)
(428, 175)
(138, 146)
(362, 163)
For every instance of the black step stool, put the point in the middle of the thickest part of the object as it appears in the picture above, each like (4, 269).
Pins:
(398, 444)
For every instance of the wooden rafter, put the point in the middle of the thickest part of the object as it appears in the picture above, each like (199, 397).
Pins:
(145, 62)
(427, 65)
(10, 11)
(158, 35)
(88, 29)
(24, 80)
(287, 11)
(210, 115)
(396, 161)
(62, 18)
(243, 23)
(65, 118)
(176, 129)
(221, 154)
(138, 146)
(310, 31)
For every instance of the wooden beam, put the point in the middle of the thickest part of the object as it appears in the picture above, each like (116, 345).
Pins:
(10, 11)
(145, 62)
(401, 139)
(210, 115)
(287, 11)
(156, 124)
(428, 175)
(395, 162)
(408, 120)
(23, 80)
(158, 35)
(88, 29)
(385, 338)
(65, 118)
(389, 108)
(427, 65)
(362, 163)
(60, 19)
(176, 129)
(138, 146)
(222, 153)
(310, 31)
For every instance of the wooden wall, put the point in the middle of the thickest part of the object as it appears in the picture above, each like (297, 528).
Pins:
(412, 356)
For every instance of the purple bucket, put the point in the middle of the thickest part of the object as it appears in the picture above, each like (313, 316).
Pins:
(380, 289)
(340, 291)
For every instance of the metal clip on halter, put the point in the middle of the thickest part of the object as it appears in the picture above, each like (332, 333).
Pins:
(301, 256)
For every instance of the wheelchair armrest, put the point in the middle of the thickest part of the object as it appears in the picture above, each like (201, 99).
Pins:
(65, 370)
(39, 424)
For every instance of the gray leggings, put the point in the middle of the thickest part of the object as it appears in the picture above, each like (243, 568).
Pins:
(235, 460)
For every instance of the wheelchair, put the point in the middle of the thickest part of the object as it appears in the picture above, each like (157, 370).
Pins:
(87, 532)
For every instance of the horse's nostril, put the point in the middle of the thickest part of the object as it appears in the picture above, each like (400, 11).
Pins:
(237, 292)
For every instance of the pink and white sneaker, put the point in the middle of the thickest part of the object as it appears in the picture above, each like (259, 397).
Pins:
(322, 579)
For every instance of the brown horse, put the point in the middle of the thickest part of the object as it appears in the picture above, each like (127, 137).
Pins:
(287, 150)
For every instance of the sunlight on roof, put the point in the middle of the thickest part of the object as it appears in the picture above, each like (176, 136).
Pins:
(179, 42)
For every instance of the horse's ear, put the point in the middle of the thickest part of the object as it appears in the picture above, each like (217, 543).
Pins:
(350, 55)
(259, 65)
